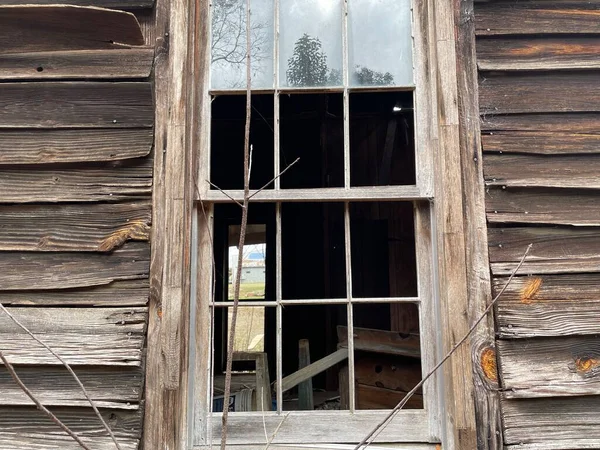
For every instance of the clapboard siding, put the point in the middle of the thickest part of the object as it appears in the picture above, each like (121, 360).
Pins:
(114, 181)
(73, 227)
(78, 64)
(548, 305)
(116, 293)
(119, 388)
(35, 146)
(539, 98)
(113, 4)
(76, 104)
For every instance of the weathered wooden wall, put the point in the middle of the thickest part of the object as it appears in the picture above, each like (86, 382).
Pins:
(539, 95)
(76, 136)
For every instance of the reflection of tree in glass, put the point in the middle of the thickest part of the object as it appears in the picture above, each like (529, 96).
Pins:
(228, 46)
(308, 67)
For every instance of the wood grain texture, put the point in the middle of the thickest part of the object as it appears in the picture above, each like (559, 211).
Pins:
(76, 105)
(538, 53)
(553, 423)
(54, 386)
(73, 145)
(62, 27)
(117, 293)
(24, 427)
(539, 92)
(537, 17)
(549, 305)
(111, 182)
(81, 336)
(555, 250)
(556, 171)
(43, 271)
(551, 122)
(78, 64)
(541, 142)
(546, 206)
(73, 227)
(112, 4)
(550, 367)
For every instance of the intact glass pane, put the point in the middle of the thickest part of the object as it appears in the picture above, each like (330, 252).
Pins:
(380, 43)
(228, 44)
(310, 48)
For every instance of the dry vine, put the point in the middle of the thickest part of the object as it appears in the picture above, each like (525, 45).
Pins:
(368, 439)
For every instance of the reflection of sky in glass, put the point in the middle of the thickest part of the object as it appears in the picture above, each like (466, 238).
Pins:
(380, 38)
(319, 19)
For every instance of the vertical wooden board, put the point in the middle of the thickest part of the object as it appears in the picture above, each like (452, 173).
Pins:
(52, 146)
(63, 27)
(73, 227)
(76, 104)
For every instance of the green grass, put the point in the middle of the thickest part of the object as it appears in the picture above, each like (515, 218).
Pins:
(254, 291)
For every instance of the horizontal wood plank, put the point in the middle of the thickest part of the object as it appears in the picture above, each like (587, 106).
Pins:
(549, 122)
(112, 4)
(548, 305)
(55, 27)
(538, 53)
(73, 227)
(539, 92)
(35, 146)
(78, 64)
(552, 423)
(76, 105)
(117, 293)
(114, 181)
(44, 271)
(555, 250)
(545, 206)
(550, 367)
(54, 386)
(27, 428)
(556, 171)
(541, 143)
(537, 17)
(81, 336)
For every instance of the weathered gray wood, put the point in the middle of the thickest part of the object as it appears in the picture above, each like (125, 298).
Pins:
(78, 145)
(550, 367)
(55, 386)
(62, 27)
(73, 227)
(537, 17)
(42, 271)
(550, 206)
(541, 143)
(380, 341)
(305, 388)
(306, 373)
(114, 4)
(76, 104)
(24, 427)
(555, 250)
(553, 123)
(539, 92)
(114, 181)
(562, 171)
(538, 53)
(81, 336)
(553, 423)
(117, 293)
(78, 64)
(549, 305)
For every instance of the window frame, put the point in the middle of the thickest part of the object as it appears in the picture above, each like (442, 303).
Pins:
(411, 425)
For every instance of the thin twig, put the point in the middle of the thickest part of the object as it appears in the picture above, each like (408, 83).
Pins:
(66, 429)
(222, 192)
(243, 225)
(68, 367)
(385, 422)
(274, 178)
(276, 431)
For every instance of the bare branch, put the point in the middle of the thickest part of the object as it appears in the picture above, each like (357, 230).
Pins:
(274, 178)
(222, 192)
(68, 367)
(276, 431)
(385, 422)
(66, 429)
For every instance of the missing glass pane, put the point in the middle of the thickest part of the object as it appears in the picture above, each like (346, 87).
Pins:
(382, 145)
(312, 129)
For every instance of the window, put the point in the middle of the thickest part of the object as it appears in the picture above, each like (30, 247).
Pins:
(338, 271)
